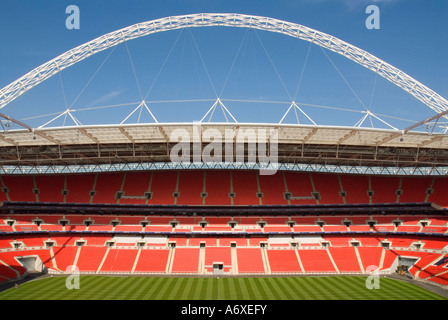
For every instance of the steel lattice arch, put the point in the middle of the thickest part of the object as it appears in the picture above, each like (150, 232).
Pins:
(96, 148)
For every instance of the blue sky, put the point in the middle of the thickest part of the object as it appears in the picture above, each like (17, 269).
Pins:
(266, 67)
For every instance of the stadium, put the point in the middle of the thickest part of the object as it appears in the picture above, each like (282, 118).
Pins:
(334, 207)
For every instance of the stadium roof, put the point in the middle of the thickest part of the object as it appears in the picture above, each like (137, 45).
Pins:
(160, 133)
(152, 143)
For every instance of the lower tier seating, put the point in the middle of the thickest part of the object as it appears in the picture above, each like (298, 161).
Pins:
(212, 244)
(230, 258)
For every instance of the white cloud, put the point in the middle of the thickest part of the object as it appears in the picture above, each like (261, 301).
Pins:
(114, 93)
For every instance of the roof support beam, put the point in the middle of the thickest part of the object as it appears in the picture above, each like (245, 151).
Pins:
(46, 136)
(127, 135)
(309, 135)
(8, 140)
(388, 138)
(164, 134)
(16, 122)
(435, 117)
(89, 135)
(347, 136)
(434, 139)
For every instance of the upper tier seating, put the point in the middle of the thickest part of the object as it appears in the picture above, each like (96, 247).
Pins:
(217, 187)
(134, 187)
(355, 188)
(272, 188)
(300, 187)
(245, 187)
(190, 188)
(162, 187)
(237, 187)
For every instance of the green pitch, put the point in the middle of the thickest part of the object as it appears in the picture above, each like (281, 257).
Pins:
(179, 288)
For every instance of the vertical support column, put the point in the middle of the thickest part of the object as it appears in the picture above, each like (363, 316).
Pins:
(341, 189)
(399, 188)
(260, 199)
(431, 187)
(149, 185)
(35, 189)
(93, 187)
(65, 189)
(5, 188)
(122, 186)
(312, 184)
(177, 187)
(231, 187)
(286, 186)
(204, 187)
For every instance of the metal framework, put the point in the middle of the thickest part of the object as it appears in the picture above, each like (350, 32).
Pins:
(363, 58)
(147, 146)
(160, 166)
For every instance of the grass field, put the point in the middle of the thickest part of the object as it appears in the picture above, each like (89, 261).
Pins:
(185, 288)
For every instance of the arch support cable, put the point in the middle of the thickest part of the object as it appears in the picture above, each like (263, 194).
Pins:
(369, 61)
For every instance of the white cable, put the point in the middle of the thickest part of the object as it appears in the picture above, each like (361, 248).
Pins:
(233, 63)
(342, 76)
(133, 70)
(203, 63)
(163, 65)
(93, 76)
(303, 70)
(272, 63)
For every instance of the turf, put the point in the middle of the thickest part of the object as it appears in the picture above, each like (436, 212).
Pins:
(184, 288)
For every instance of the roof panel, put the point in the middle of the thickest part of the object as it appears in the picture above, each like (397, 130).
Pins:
(157, 133)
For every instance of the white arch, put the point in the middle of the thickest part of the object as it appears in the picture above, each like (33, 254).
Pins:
(382, 68)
